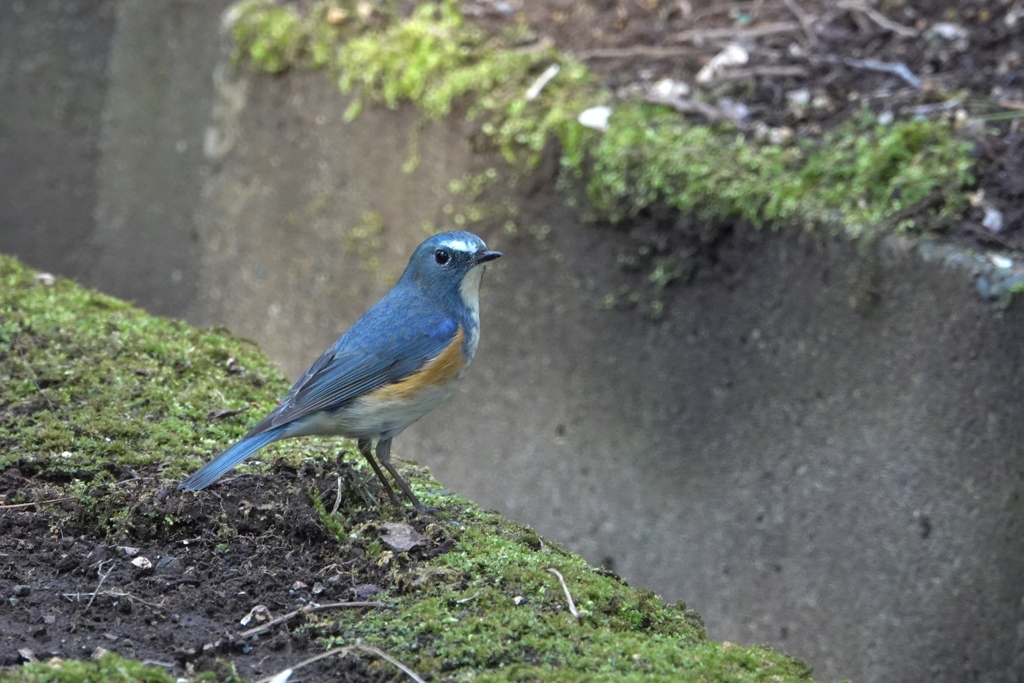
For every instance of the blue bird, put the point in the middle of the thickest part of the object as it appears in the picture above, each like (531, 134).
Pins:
(392, 367)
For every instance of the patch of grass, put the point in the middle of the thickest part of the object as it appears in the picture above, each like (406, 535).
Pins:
(855, 176)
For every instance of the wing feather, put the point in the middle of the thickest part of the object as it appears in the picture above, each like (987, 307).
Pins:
(376, 351)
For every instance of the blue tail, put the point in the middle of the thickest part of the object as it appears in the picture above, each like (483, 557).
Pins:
(229, 459)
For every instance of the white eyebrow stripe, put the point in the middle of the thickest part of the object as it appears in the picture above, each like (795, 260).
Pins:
(460, 245)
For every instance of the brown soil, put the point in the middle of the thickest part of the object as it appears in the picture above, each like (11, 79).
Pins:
(73, 586)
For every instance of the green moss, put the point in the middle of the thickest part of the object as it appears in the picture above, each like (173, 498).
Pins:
(865, 172)
(437, 60)
(491, 610)
(108, 668)
(855, 176)
(274, 37)
(90, 384)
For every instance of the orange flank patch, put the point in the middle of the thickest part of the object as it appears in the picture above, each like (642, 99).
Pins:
(444, 368)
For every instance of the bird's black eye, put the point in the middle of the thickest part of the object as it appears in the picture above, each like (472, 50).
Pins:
(442, 256)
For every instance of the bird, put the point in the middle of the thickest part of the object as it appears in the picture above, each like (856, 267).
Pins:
(396, 363)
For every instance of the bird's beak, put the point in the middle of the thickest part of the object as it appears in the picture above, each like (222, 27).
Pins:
(485, 256)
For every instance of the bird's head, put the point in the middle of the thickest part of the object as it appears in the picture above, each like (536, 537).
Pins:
(448, 264)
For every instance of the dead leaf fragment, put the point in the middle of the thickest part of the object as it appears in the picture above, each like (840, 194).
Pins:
(402, 537)
(259, 614)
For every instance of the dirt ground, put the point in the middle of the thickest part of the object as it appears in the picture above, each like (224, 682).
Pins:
(71, 590)
(810, 64)
(158, 581)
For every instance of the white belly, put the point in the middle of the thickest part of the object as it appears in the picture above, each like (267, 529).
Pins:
(366, 417)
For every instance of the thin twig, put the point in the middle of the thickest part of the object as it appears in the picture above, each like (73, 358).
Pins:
(754, 71)
(933, 200)
(711, 113)
(533, 92)
(77, 597)
(34, 378)
(805, 19)
(735, 34)
(103, 577)
(308, 609)
(343, 651)
(227, 412)
(337, 499)
(157, 662)
(694, 16)
(877, 17)
(568, 596)
(895, 68)
(305, 662)
(13, 506)
(385, 656)
(653, 51)
(983, 234)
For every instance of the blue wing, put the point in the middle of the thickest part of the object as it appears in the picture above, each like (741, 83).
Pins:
(385, 346)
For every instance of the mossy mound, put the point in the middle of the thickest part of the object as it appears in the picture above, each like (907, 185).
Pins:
(104, 407)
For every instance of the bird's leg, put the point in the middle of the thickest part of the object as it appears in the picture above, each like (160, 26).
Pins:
(384, 455)
(364, 449)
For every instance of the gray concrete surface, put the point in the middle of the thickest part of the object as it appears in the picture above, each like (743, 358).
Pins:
(817, 448)
(53, 84)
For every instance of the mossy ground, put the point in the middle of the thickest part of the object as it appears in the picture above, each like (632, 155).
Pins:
(104, 408)
(853, 177)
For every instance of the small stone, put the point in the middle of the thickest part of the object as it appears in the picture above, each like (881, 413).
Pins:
(948, 31)
(1000, 261)
(731, 55)
(21, 591)
(993, 220)
(335, 15)
(595, 117)
(167, 563)
(780, 135)
(668, 88)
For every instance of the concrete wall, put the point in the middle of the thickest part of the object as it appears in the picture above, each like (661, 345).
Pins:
(815, 447)
(53, 84)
